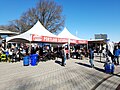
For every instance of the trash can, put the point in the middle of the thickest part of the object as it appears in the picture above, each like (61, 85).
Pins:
(34, 59)
(109, 68)
(26, 61)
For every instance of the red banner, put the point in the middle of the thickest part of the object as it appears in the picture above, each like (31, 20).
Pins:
(57, 40)
(62, 40)
(36, 37)
(73, 41)
(49, 39)
(82, 41)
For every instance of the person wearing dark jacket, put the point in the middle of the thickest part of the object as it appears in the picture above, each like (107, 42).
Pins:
(63, 56)
(91, 57)
(116, 55)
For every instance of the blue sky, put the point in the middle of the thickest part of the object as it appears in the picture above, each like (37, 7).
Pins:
(87, 17)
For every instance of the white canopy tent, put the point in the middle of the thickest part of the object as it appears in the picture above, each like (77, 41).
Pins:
(66, 34)
(34, 34)
(73, 39)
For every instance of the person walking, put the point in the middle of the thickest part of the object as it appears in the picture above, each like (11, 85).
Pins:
(63, 56)
(91, 57)
(116, 55)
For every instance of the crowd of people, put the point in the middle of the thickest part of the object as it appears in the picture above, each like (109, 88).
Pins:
(15, 54)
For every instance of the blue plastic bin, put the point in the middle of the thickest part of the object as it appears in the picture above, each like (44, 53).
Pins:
(34, 59)
(26, 61)
(109, 68)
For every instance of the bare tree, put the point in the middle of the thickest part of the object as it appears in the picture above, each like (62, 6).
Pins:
(48, 12)
(8, 27)
(2, 27)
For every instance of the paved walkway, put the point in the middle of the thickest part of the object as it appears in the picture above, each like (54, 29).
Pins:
(50, 75)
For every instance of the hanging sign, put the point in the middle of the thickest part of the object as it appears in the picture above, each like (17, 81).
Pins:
(82, 41)
(36, 37)
(49, 39)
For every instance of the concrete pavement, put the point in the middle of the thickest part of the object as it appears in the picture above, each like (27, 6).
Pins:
(50, 75)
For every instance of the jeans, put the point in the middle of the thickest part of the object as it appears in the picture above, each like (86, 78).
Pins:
(116, 57)
(91, 62)
(64, 60)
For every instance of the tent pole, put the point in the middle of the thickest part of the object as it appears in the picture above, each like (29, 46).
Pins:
(30, 48)
(87, 46)
(31, 39)
(69, 48)
(42, 52)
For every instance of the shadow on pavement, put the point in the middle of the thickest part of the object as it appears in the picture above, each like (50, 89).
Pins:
(87, 65)
(99, 69)
(99, 61)
(58, 62)
(117, 75)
